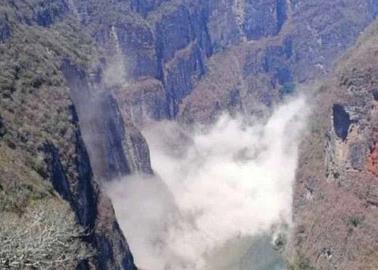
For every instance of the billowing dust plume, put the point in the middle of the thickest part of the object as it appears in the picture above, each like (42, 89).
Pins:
(217, 192)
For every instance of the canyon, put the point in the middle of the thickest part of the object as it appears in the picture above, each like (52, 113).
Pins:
(83, 82)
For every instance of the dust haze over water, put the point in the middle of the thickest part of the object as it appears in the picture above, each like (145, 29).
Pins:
(219, 197)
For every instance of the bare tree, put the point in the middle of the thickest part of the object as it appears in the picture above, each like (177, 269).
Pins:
(45, 237)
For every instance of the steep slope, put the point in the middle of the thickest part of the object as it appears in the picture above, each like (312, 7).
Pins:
(253, 74)
(78, 75)
(336, 193)
(192, 59)
(46, 175)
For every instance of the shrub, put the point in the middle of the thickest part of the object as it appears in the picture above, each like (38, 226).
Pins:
(300, 263)
(45, 237)
(355, 221)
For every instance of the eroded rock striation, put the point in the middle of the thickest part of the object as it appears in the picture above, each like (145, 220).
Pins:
(202, 54)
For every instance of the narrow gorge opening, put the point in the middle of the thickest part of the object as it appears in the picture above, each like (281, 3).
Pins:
(221, 195)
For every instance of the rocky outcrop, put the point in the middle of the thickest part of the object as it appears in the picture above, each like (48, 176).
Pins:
(232, 22)
(115, 149)
(372, 160)
(136, 43)
(336, 192)
(93, 210)
(181, 74)
(182, 46)
(263, 18)
(142, 101)
(341, 121)
(5, 31)
(2, 128)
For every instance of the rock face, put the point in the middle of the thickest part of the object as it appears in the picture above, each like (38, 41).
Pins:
(195, 49)
(90, 206)
(270, 65)
(336, 194)
(4, 28)
(263, 18)
(116, 148)
(43, 156)
(68, 113)
(341, 121)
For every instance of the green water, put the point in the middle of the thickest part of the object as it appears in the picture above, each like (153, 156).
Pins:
(247, 253)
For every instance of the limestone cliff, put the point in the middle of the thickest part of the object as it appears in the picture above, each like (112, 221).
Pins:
(185, 57)
(78, 76)
(336, 192)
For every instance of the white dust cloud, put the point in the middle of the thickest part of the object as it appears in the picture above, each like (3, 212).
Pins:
(230, 181)
(115, 72)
